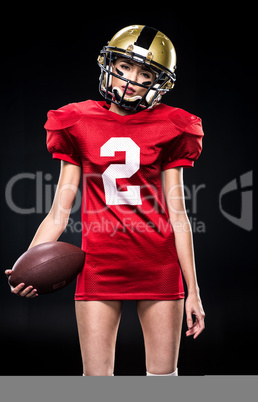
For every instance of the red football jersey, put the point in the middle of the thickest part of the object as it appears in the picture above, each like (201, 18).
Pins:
(126, 232)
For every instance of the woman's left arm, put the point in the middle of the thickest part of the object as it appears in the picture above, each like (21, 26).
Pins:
(174, 195)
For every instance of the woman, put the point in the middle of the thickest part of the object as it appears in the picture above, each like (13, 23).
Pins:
(136, 233)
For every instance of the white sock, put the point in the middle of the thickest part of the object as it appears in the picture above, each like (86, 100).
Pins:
(85, 375)
(174, 374)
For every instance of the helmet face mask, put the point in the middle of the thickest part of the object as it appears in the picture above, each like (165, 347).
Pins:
(148, 57)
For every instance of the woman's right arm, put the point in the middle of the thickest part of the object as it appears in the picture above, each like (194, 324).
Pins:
(56, 220)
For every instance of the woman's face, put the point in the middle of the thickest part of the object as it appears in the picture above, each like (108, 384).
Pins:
(134, 72)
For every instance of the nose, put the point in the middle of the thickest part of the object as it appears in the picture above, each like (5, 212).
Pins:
(133, 76)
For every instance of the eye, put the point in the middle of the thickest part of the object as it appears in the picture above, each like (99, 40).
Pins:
(125, 66)
(146, 75)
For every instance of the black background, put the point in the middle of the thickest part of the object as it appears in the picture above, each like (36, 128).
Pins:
(49, 60)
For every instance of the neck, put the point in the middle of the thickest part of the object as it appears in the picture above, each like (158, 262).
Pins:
(119, 110)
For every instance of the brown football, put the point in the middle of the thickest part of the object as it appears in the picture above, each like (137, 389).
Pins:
(48, 266)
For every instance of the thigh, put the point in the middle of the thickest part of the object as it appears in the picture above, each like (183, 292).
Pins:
(161, 323)
(98, 323)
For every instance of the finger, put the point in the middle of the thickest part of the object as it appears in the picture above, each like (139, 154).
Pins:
(35, 294)
(191, 331)
(18, 288)
(197, 333)
(189, 320)
(201, 327)
(197, 328)
(27, 292)
(32, 294)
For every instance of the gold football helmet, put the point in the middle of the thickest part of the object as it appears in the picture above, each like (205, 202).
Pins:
(145, 45)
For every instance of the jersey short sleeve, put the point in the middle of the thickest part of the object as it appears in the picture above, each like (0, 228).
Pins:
(185, 148)
(60, 143)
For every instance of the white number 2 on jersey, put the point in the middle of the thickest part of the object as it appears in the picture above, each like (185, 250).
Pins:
(113, 196)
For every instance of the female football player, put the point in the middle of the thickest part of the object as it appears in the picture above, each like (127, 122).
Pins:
(131, 150)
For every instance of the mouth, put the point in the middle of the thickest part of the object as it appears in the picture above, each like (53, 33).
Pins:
(129, 91)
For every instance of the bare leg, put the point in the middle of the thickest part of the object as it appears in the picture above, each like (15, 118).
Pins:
(161, 324)
(98, 323)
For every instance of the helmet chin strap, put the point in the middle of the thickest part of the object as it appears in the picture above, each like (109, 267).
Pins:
(121, 97)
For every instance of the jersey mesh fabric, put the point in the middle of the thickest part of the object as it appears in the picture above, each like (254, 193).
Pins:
(126, 232)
